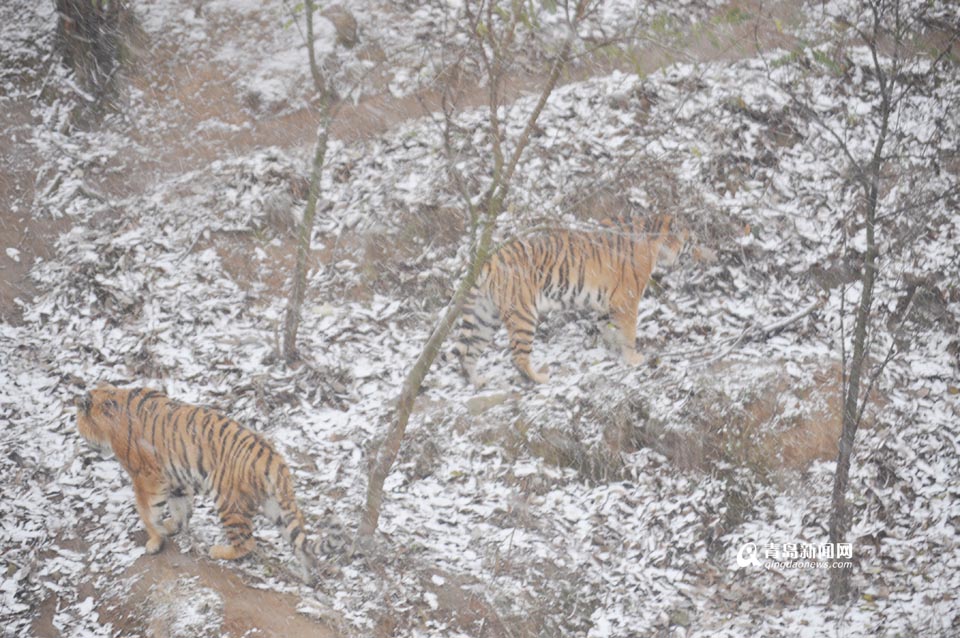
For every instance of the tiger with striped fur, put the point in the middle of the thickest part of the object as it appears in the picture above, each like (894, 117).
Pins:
(606, 269)
(172, 450)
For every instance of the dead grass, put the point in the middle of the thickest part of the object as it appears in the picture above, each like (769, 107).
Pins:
(763, 432)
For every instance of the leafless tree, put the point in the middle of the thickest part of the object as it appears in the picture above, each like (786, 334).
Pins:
(327, 105)
(894, 35)
(492, 27)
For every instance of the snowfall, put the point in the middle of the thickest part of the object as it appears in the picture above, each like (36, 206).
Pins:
(610, 501)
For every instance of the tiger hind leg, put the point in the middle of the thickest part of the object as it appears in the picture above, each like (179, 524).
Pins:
(521, 326)
(477, 329)
(239, 526)
(288, 517)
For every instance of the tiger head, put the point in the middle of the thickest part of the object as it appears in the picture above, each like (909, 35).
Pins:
(98, 414)
(672, 238)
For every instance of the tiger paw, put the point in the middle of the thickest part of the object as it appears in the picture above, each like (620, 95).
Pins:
(154, 545)
(222, 552)
(538, 376)
(171, 526)
(231, 552)
(633, 358)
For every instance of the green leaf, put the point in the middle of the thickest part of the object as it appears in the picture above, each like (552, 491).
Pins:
(825, 60)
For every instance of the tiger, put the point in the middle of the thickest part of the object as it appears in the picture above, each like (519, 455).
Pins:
(606, 269)
(172, 450)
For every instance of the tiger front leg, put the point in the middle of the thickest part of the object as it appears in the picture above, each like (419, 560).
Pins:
(180, 501)
(625, 319)
(151, 497)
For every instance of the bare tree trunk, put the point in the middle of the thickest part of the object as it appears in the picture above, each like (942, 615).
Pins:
(885, 33)
(291, 320)
(90, 37)
(494, 202)
(840, 515)
(853, 405)
(387, 453)
(318, 81)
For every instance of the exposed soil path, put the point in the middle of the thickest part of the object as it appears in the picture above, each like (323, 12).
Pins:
(246, 611)
(22, 240)
(206, 92)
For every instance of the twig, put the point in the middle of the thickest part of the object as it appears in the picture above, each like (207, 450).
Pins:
(189, 249)
(749, 333)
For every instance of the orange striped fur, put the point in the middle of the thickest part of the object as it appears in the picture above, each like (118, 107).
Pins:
(172, 450)
(606, 269)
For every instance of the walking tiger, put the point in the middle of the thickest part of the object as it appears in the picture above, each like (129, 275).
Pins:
(172, 450)
(606, 269)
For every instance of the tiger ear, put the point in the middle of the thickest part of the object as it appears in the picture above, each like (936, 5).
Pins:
(83, 403)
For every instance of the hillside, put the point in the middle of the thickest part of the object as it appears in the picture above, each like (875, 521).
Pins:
(156, 248)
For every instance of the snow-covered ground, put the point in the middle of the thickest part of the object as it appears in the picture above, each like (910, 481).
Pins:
(610, 501)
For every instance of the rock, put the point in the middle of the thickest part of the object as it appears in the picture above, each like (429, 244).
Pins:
(680, 617)
(619, 101)
(480, 404)
(345, 24)
(278, 213)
